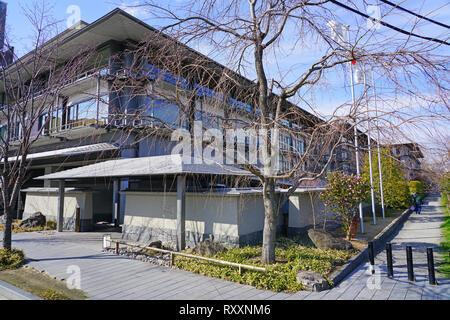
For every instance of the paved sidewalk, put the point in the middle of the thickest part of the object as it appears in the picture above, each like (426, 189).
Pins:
(108, 276)
(9, 292)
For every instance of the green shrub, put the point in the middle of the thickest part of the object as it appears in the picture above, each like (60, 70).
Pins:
(13, 259)
(342, 196)
(51, 225)
(444, 267)
(281, 276)
(395, 186)
(418, 187)
(52, 294)
(445, 185)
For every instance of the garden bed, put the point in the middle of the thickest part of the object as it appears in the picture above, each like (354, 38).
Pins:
(51, 225)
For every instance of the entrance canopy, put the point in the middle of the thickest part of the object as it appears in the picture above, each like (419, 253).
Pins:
(145, 166)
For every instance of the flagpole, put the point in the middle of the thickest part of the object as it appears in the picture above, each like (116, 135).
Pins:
(372, 193)
(378, 147)
(361, 217)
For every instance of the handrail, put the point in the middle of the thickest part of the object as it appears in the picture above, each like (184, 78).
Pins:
(174, 253)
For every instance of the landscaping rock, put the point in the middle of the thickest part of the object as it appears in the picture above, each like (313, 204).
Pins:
(312, 281)
(36, 220)
(325, 240)
(156, 244)
(208, 248)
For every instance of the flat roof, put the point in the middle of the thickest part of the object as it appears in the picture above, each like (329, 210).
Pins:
(99, 147)
(145, 166)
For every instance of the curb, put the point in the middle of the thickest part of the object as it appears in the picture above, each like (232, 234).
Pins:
(378, 245)
(13, 293)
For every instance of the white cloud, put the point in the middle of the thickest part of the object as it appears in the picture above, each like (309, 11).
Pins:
(134, 9)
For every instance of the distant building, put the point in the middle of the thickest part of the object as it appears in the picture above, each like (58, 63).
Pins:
(410, 155)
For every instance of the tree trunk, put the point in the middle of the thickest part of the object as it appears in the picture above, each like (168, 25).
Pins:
(7, 231)
(270, 222)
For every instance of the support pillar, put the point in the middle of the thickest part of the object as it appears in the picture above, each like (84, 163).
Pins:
(181, 212)
(61, 186)
(116, 202)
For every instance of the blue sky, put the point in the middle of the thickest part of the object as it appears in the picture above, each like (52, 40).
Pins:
(335, 92)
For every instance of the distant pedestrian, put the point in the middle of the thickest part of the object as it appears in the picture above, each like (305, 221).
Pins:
(416, 203)
(413, 202)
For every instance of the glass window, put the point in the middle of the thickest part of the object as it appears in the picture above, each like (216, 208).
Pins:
(165, 113)
(103, 110)
(87, 113)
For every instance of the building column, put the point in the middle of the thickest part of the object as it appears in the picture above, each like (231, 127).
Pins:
(61, 186)
(116, 202)
(181, 212)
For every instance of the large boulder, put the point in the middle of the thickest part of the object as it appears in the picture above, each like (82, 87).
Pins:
(208, 248)
(325, 240)
(312, 281)
(36, 220)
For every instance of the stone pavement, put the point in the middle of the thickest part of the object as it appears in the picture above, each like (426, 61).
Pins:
(109, 276)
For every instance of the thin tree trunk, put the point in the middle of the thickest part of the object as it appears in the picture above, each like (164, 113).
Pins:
(7, 231)
(270, 222)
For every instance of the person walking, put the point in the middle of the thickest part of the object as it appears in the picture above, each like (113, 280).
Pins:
(416, 203)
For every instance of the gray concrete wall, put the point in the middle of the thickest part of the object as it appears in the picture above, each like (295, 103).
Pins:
(152, 216)
(301, 216)
(45, 200)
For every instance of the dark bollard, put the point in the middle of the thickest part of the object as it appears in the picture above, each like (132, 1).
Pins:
(390, 268)
(371, 256)
(430, 259)
(409, 263)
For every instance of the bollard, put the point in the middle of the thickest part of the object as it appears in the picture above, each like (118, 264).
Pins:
(431, 274)
(409, 263)
(390, 268)
(371, 256)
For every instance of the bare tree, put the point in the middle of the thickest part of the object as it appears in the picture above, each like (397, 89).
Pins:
(30, 87)
(248, 33)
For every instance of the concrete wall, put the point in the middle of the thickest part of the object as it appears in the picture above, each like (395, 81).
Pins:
(251, 219)
(301, 216)
(232, 219)
(152, 216)
(46, 202)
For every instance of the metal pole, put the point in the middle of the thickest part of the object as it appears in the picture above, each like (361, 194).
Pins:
(380, 169)
(356, 137)
(372, 192)
(371, 256)
(390, 268)
(409, 263)
(430, 260)
(98, 100)
(181, 212)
